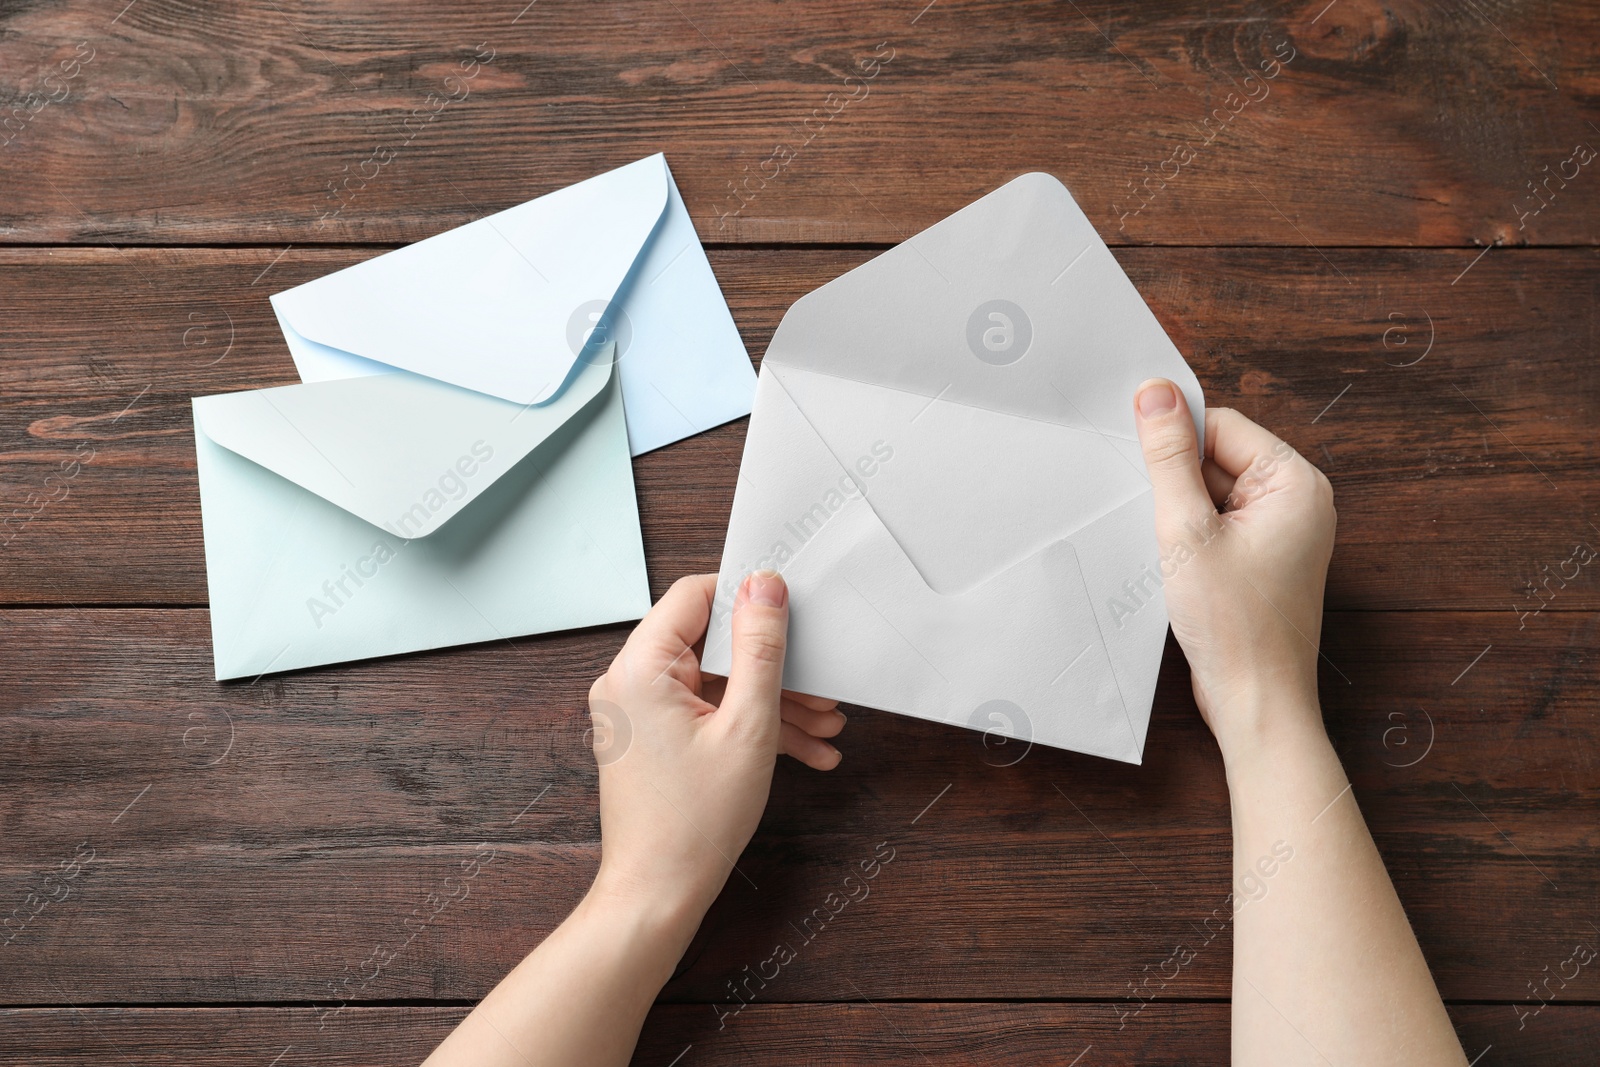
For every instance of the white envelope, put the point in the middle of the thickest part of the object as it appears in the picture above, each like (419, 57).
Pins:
(505, 304)
(943, 463)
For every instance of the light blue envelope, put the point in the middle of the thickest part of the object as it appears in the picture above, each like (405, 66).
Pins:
(380, 515)
(504, 304)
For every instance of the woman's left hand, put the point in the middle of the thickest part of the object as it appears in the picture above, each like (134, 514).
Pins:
(685, 765)
(686, 758)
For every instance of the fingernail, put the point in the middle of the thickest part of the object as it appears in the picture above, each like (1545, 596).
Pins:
(766, 588)
(1156, 397)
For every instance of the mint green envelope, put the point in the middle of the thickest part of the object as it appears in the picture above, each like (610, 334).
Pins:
(388, 514)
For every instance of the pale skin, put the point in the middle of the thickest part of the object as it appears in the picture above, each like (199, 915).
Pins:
(1326, 968)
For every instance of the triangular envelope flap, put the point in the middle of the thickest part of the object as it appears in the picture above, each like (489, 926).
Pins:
(1013, 303)
(499, 297)
(403, 452)
(965, 490)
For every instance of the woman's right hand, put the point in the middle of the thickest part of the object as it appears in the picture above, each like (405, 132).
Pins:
(1330, 943)
(1246, 531)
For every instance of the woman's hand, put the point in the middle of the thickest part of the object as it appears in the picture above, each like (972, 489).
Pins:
(1325, 966)
(685, 764)
(1243, 585)
(686, 758)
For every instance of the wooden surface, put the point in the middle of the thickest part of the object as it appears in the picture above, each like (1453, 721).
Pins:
(1354, 260)
(789, 1035)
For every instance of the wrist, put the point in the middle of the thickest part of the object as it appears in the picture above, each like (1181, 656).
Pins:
(1268, 724)
(1281, 767)
(657, 923)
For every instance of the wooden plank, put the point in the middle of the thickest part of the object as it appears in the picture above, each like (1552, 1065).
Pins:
(1460, 479)
(1047, 915)
(105, 703)
(331, 121)
(893, 1034)
(913, 1035)
(255, 841)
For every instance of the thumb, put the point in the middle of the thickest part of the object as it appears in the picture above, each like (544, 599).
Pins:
(1171, 456)
(760, 636)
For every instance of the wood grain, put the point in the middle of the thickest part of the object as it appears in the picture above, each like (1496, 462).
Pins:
(1403, 123)
(99, 704)
(1460, 479)
(780, 1035)
(1383, 251)
(253, 842)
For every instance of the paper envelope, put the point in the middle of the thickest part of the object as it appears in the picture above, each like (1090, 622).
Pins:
(503, 305)
(943, 463)
(373, 516)
(456, 466)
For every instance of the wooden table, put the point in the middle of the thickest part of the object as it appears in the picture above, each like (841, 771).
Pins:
(1382, 246)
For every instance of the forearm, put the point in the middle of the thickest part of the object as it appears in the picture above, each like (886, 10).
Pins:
(1326, 968)
(580, 998)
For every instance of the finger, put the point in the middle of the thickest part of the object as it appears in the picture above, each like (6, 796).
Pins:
(820, 703)
(1219, 483)
(814, 722)
(818, 722)
(1171, 456)
(760, 635)
(665, 637)
(812, 751)
(1235, 443)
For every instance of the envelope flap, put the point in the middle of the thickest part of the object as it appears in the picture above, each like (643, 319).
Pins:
(404, 452)
(1013, 304)
(955, 468)
(510, 298)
